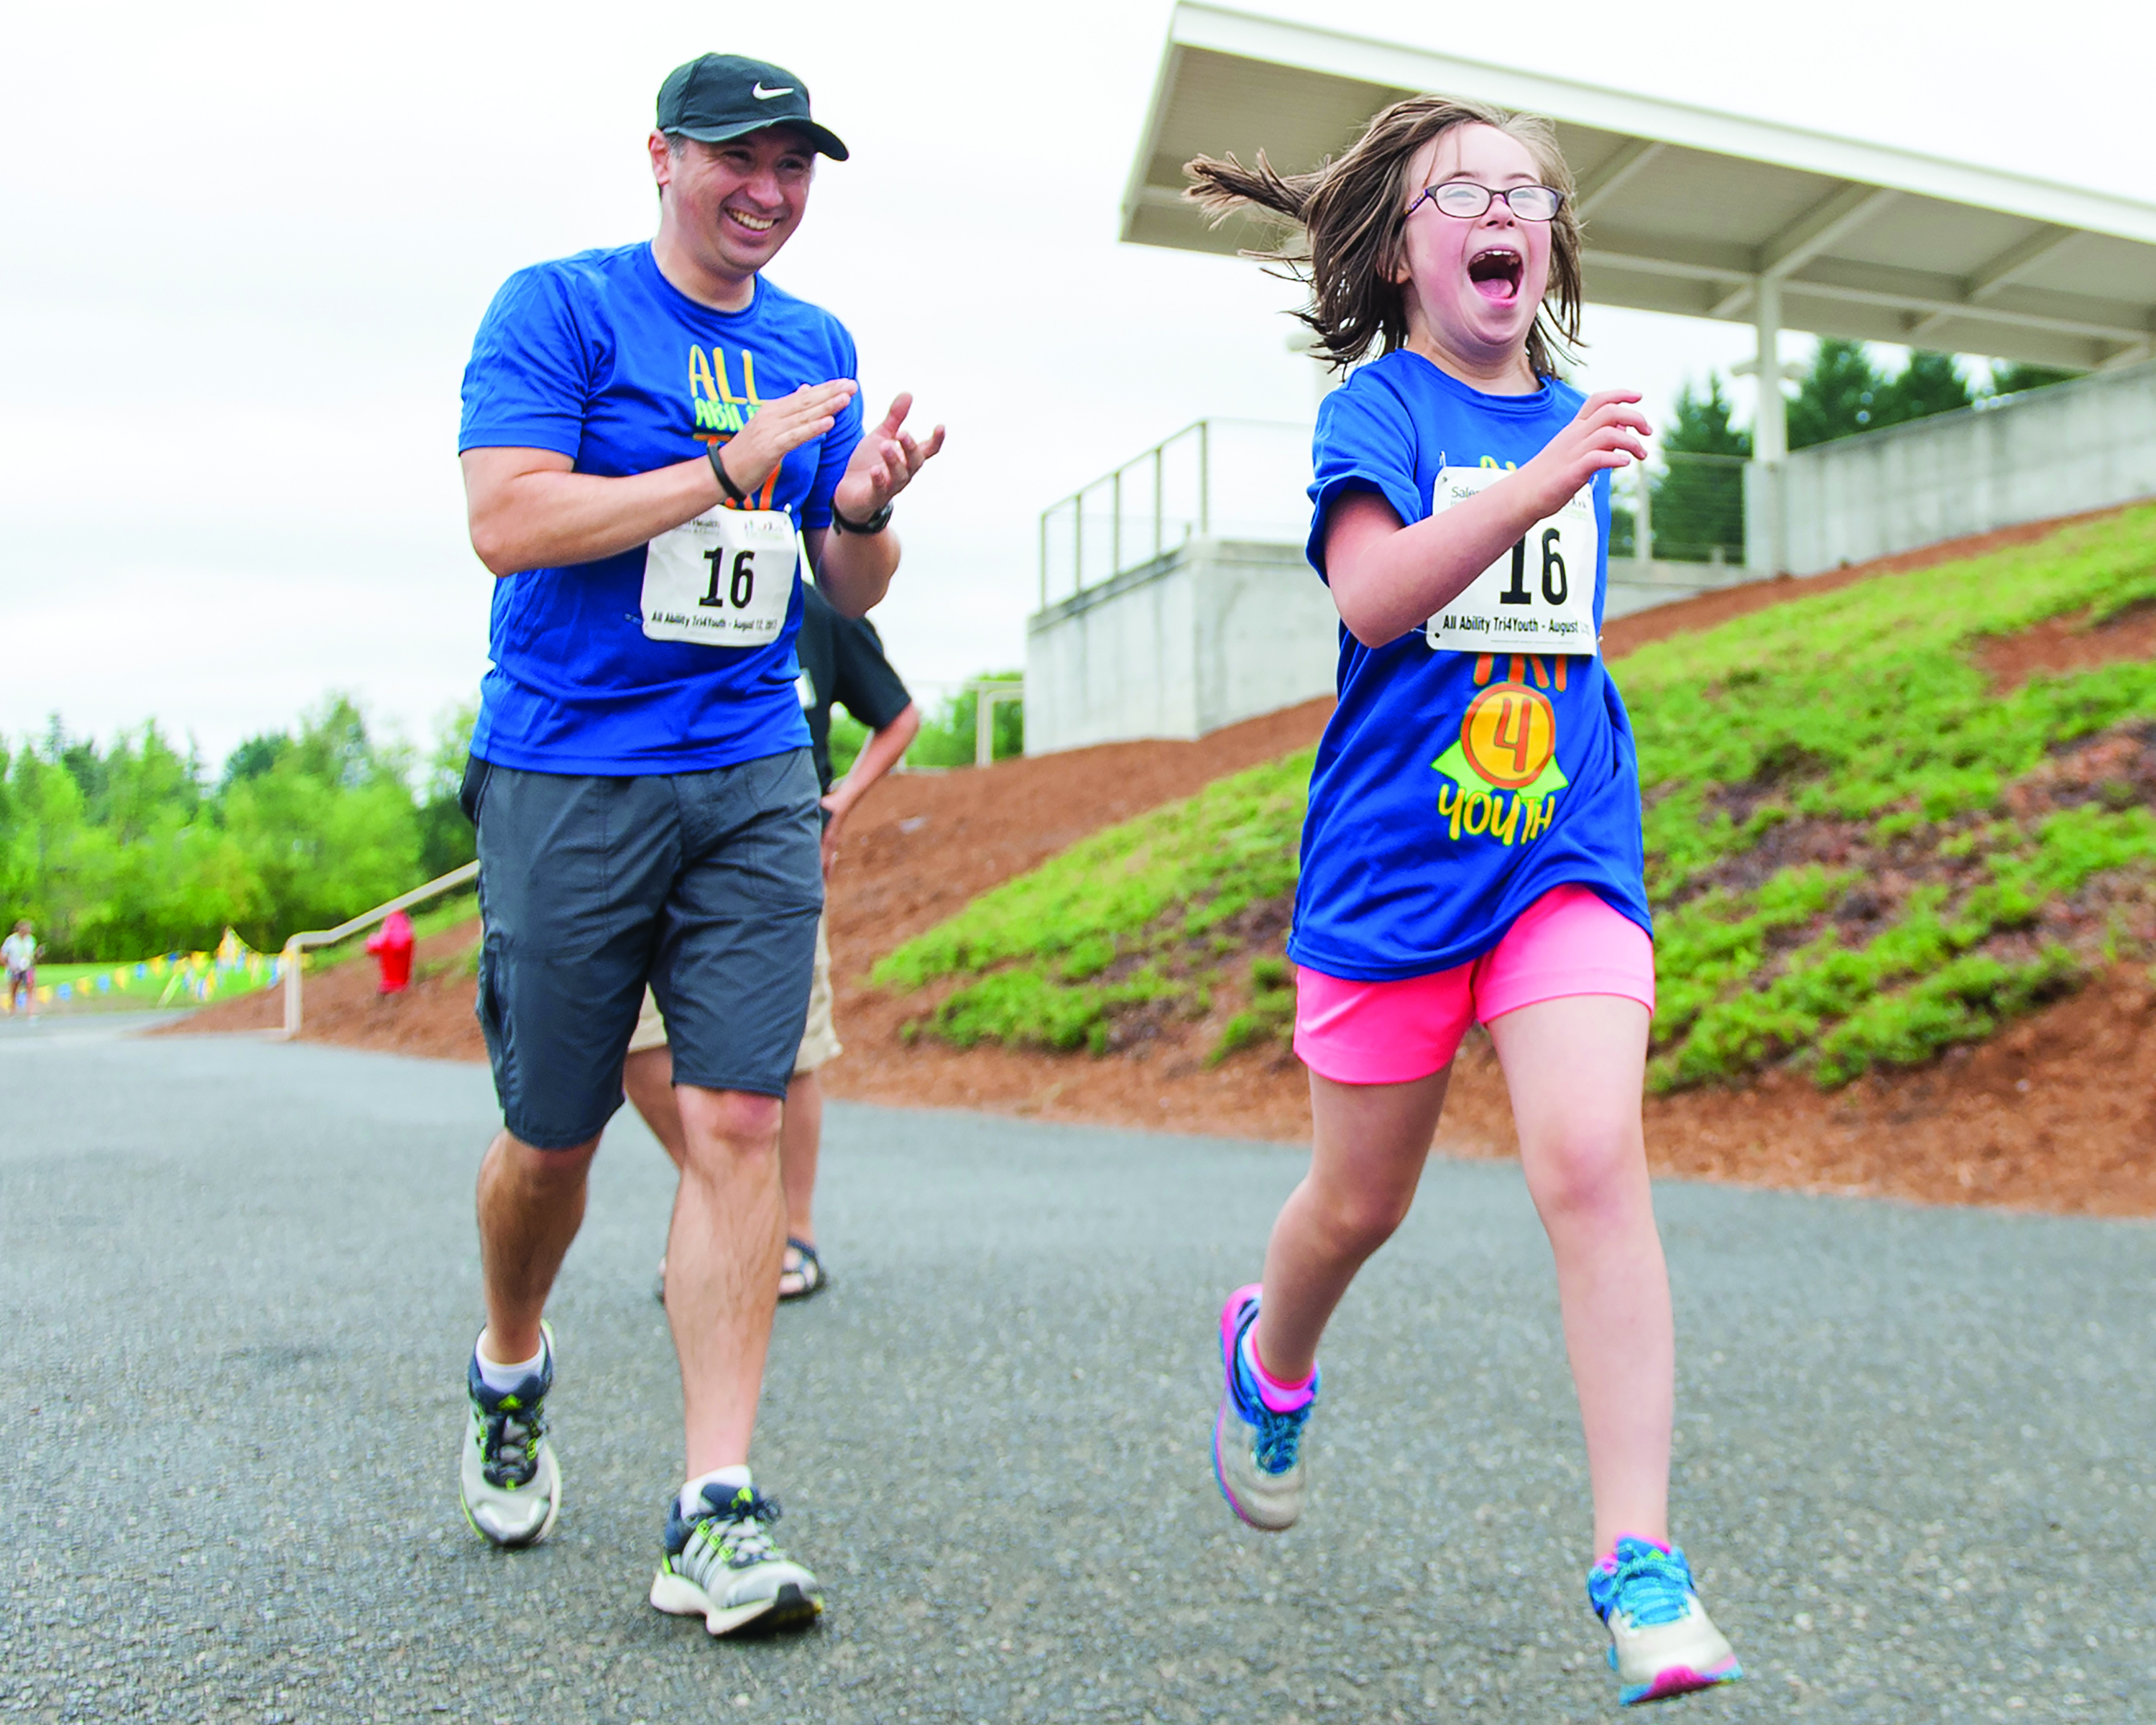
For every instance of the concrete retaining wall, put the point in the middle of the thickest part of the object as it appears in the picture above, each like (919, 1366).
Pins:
(1218, 630)
(2087, 445)
(1223, 629)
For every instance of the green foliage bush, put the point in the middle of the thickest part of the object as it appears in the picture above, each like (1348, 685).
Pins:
(1230, 845)
(946, 735)
(1271, 1013)
(118, 853)
(1864, 712)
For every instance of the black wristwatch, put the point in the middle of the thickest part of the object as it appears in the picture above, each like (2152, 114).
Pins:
(875, 523)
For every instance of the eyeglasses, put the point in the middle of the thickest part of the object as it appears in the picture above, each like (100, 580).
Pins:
(1467, 200)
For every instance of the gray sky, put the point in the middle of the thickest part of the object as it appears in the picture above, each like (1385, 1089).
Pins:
(247, 246)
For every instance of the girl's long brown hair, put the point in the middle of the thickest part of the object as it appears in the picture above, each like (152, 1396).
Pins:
(1353, 215)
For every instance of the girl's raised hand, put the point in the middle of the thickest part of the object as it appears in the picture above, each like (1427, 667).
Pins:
(1608, 432)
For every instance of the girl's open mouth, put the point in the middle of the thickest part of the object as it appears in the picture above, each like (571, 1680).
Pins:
(1496, 273)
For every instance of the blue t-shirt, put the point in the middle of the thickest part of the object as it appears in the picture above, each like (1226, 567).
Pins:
(1453, 790)
(600, 358)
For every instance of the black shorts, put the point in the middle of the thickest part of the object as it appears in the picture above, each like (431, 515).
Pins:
(706, 885)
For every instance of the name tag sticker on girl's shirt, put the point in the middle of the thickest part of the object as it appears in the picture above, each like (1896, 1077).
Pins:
(723, 579)
(1538, 597)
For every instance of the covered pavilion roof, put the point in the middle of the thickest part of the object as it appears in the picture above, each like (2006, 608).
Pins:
(1688, 209)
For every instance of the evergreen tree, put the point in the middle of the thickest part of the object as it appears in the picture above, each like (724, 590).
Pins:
(1930, 383)
(2010, 377)
(1701, 425)
(254, 757)
(1838, 396)
(1699, 499)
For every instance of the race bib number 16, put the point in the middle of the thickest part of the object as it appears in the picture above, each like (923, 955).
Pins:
(1538, 597)
(723, 579)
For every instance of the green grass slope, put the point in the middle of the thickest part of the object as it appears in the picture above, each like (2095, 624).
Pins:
(1858, 853)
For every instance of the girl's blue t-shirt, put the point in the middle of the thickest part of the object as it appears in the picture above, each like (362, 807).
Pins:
(600, 358)
(1421, 845)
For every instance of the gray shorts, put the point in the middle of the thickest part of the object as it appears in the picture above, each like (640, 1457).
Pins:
(706, 885)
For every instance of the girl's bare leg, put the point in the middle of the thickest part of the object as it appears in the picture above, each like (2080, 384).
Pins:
(1370, 1142)
(1575, 1068)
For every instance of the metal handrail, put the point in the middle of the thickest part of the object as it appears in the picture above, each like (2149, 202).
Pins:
(988, 696)
(299, 944)
(1639, 495)
(1151, 464)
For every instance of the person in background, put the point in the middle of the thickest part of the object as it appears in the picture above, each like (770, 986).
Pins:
(842, 661)
(19, 951)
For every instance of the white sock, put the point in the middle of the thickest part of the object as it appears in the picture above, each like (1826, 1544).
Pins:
(692, 1494)
(500, 1378)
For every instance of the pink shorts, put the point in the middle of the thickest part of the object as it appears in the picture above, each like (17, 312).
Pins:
(1568, 941)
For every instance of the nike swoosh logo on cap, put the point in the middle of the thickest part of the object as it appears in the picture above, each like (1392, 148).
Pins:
(762, 95)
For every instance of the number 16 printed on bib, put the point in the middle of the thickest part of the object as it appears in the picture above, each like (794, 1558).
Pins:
(724, 579)
(1538, 597)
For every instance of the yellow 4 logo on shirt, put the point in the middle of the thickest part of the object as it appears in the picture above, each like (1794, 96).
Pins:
(1503, 770)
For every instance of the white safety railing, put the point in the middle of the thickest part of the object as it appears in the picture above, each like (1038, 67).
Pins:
(299, 943)
(1232, 478)
(988, 696)
(1688, 508)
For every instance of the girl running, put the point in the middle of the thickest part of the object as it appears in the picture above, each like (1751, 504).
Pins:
(1473, 848)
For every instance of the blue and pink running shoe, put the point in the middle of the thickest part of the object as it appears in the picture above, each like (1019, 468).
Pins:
(1257, 1438)
(1661, 1641)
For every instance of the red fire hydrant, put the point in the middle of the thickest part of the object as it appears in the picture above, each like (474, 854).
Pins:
(391, 946)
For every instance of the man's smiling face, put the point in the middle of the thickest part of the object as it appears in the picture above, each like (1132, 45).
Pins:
(736, 203)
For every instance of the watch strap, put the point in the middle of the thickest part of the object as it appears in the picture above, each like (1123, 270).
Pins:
(875, 523)
(739, 497)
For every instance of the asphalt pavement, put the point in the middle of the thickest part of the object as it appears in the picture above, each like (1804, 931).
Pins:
(239, 1280)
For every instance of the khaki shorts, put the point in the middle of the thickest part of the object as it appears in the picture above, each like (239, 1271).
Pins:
(820, 1040)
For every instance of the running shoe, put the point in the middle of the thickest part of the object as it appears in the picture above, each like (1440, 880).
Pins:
(1257, 1450)
(510, 1486)
(720, 1565)
(1661, 1641)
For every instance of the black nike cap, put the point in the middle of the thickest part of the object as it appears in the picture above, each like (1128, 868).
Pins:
(719, 96)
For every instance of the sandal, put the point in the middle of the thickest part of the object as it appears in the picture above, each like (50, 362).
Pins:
(808, 1274)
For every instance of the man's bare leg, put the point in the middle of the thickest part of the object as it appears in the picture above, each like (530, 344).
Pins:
(648, 1077)
(722, 1259)
(530, 1204)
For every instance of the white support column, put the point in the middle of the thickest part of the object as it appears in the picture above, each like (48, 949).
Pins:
(1763, 539)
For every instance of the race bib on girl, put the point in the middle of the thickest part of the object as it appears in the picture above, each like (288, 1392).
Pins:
(1539, 596)
(723, 579)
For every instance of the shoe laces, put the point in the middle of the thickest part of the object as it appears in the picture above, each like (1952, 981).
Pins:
(735, 1529)
(1279, 1437)
(1648, 1585)
(509, 1448)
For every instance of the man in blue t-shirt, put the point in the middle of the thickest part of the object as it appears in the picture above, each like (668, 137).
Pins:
(654, 438)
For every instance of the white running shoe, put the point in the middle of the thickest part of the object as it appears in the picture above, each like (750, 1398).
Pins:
(1661, 1641)
(720, 1565)
(508, 1483)
(1257, 1452)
